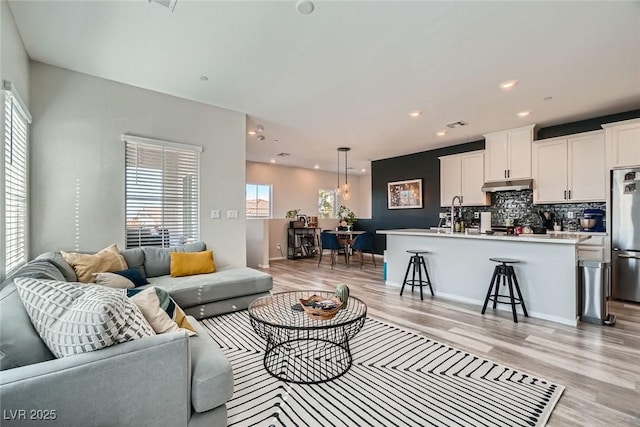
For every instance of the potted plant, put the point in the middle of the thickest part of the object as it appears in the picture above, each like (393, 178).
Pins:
(347, 217)
(293, 213)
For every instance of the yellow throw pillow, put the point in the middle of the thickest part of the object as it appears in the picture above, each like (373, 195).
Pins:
(108, 259)
(190, 263)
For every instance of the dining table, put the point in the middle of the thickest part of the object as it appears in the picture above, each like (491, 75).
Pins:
(346, 238)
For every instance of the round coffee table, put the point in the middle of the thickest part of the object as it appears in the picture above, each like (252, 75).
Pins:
(301, 349)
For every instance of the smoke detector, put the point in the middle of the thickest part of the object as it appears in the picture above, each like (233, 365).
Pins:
(260, 137)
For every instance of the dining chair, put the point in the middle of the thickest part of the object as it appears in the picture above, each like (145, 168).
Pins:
(364, 243)
(329, 241)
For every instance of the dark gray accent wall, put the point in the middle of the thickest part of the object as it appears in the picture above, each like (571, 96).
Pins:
(426, 165)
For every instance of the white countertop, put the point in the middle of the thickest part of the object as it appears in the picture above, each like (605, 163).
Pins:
(552, 237)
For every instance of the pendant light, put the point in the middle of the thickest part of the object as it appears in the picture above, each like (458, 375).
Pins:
(344, 190)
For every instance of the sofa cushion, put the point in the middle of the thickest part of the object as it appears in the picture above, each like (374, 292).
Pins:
(108, 259)
(58, 260)
(135, 259)
(157, 261)
(38, 269)
(227, 282)
(20, 344)
(211, 373)
(190, 263)
(73, 318)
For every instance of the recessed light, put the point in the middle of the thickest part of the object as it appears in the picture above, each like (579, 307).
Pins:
(524, 113)
(252, 132)
(260, 137)
(272, 160)
(441, 133)
(415, 113)
(363, 170)
(316, 166)
(275, 140)
(509, 84)
(204, 78)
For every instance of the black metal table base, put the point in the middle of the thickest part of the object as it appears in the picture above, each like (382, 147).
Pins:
(304, 361)
(301, 349)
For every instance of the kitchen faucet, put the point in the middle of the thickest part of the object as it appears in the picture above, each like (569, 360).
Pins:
(453, 201)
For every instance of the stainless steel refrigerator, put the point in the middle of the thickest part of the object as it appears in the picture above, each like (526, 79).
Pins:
(625, 234)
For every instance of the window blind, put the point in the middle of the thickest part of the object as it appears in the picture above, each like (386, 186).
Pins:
(162, 194)
(16, 219)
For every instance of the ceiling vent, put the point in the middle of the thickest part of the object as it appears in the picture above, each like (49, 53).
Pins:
(458, 124)
(283, 154)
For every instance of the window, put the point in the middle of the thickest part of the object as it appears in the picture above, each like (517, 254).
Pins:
(161, 192)
(16, 191)
(327, 206)
(258, 201)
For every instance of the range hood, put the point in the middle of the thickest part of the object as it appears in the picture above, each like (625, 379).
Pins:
(515, 185)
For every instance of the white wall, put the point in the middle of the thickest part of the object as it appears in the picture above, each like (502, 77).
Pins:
(258, 243)
(297, 188)
(14, 66)
(77, 173)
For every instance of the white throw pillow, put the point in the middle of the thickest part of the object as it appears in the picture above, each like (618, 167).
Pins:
(149, 304)
(73, 318)
(113, 280)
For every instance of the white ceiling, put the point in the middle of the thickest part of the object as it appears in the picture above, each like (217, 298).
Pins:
(349, 73)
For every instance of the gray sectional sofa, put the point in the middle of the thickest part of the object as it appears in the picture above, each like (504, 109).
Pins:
(164, 380)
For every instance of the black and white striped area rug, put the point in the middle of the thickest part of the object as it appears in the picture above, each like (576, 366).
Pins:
(398, 378)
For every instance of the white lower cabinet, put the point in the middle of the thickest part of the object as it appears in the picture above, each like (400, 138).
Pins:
(592, 249)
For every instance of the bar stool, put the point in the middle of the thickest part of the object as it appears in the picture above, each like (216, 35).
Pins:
(417, 261)
(505, 272)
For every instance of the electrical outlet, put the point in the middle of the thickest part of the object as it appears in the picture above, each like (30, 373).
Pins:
(476, 215)
(570, 215)
(442, 215)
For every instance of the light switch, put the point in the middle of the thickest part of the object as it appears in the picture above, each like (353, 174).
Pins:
(232, 214)
(216, 214)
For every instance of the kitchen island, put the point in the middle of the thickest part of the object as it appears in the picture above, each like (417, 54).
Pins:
(460, 269)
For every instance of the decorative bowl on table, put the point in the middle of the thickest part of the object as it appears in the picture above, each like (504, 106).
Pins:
(321, 308)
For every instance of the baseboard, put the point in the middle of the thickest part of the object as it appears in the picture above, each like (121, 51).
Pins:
(263, 265)
(277, 258)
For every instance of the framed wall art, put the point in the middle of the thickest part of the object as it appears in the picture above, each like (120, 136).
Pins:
(405, 194)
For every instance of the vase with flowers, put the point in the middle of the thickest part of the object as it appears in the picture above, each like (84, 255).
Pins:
(346, 218)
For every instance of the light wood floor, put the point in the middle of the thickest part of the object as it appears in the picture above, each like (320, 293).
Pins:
(598, 365)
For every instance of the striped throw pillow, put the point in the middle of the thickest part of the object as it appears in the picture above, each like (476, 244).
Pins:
(73, 318)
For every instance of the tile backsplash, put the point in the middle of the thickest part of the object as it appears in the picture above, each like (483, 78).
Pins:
(519, 205)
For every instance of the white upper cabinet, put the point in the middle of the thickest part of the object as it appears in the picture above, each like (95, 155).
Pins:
(569, 169)
(550, 171)
(587, 171)
(623, 143)
(450, 179)
(508, 154)
(462, 175)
